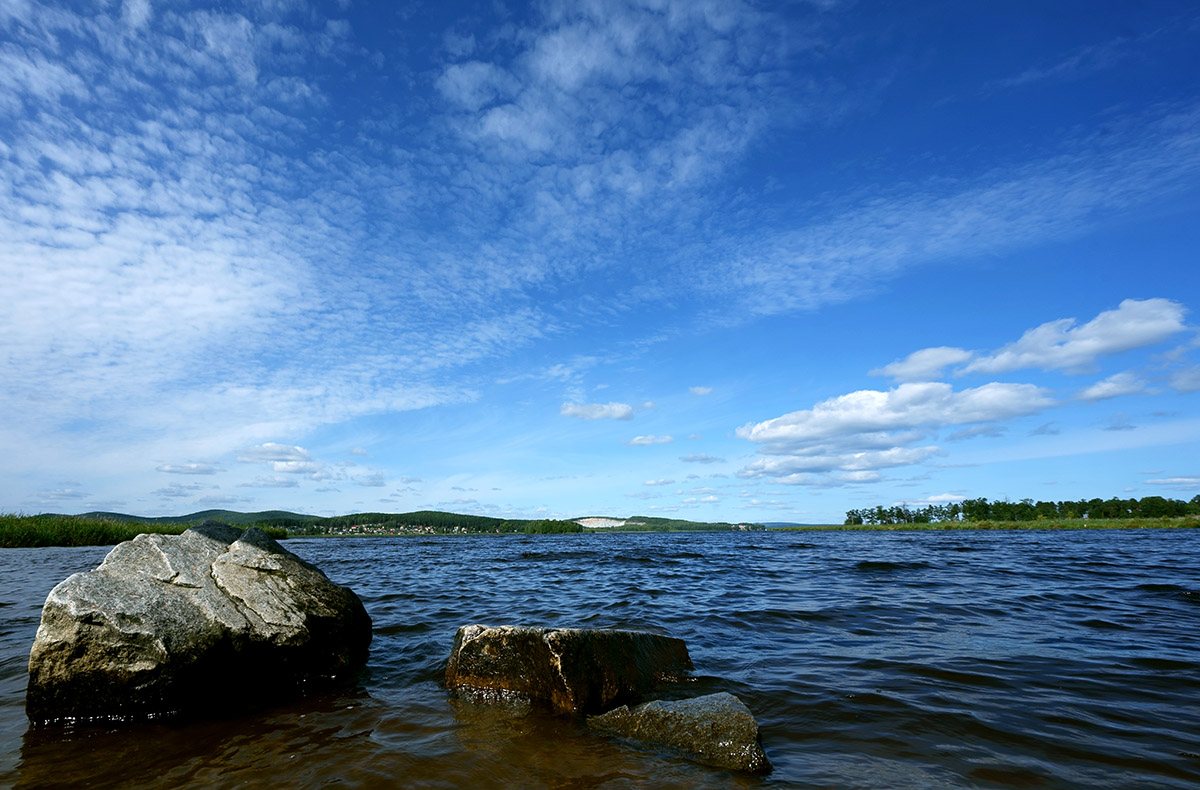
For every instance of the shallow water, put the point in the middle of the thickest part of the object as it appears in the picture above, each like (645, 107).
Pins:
(920, 659)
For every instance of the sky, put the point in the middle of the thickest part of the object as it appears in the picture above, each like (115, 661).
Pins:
(715, 260)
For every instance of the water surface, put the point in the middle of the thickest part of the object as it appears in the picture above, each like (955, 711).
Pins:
(919, 659)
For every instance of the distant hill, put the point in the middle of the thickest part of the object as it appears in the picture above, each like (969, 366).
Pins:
(420, 521)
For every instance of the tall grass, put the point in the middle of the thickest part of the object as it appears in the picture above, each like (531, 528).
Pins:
(54, 530)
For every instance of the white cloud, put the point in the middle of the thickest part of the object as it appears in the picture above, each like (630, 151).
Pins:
(230, 39)
(296, 467)
(700, 390)
(854, 247)
(1062, 345)
(1183, 482)
(847, 439)
(274, 452)
(187, 469)
(263, 481)
(473, 85)
(793, 467)
(136, 13)
(923, 365)
(597, 411)
(658, 482)
(908, 406)
(1114, 386)
(650, 439)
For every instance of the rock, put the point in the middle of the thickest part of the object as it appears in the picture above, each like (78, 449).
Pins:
(212, 619)
(716, 729)
(571, 670)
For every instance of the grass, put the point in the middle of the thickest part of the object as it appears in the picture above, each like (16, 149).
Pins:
(54, 530)
(1185, 522)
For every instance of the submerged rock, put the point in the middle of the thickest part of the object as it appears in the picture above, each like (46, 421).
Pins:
(572, 670)
(716, 729)
(211, 619)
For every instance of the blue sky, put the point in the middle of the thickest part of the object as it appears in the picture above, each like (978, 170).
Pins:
(714, 260)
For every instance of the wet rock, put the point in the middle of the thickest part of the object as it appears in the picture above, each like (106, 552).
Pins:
(571, 670)
(211, 619)
(716, 729)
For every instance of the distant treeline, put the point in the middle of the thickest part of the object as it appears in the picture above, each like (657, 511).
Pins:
(51, 529)
(423, 520)
(1027, 510)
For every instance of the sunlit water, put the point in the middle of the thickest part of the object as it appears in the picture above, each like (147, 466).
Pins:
(921, 659)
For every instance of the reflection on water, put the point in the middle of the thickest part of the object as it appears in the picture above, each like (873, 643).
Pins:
(871, 660)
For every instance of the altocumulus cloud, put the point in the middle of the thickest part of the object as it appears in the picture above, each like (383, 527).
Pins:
(188, 469)
(597, 411)
(642, 441)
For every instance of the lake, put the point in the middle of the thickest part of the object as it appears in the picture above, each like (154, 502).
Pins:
(900, 659)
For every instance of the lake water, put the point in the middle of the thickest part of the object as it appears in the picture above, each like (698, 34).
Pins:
(918, 659)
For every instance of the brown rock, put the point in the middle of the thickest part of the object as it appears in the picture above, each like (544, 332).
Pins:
(716, 729)
(571, 670)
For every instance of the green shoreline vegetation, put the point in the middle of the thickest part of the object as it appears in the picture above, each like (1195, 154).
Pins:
(1026, 510)
(101, 529)
(1183, 522)
(52, 529)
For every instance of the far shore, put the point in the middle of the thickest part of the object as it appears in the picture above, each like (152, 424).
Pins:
(56, 530)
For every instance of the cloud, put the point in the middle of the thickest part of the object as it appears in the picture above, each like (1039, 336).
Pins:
(828, 468)
(923, 365)
(296, 467)
(187, 469)
(701, 458)
(263, 481)
(700, 390)
(273, 452)
(852, 247)
(136, 14)
(1114, 386)
(1062, 345)
(473, 85)
(975, 432)
(1182, 482)
(908, 406)
(65, 491)
(1187, 380)
(849, 438)
(179, 490)
(658, 482)
(650, 439)
(597, 411)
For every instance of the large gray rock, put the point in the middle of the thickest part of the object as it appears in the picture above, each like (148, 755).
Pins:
(571, 670)
(211, 619)
(716, 729)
